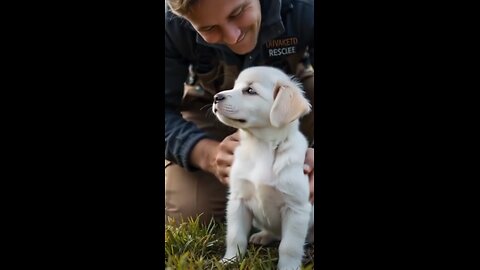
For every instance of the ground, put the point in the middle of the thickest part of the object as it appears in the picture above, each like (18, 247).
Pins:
(193, 246)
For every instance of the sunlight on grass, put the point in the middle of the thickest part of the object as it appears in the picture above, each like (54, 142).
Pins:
(191, 245)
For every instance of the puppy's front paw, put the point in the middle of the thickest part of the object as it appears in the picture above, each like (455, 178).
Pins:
(288, 267)
(292, 263)
(261, 238)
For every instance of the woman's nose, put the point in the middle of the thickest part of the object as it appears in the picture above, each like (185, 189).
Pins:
(231, 34)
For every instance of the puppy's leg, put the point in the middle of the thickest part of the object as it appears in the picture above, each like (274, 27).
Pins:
(262, 238)
(239, 222)
(294, 232)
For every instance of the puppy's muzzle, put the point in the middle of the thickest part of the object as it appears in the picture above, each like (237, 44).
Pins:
(218, 97)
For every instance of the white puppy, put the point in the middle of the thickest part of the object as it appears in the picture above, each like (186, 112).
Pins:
(268, 188)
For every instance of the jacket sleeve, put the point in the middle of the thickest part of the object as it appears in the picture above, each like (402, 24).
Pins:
(180, 135)
(309, 29)
(311, 52)
(304, 23)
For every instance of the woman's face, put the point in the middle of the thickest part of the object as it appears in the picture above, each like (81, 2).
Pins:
(234, 23)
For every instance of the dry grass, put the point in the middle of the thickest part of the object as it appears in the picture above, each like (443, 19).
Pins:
(190, 245)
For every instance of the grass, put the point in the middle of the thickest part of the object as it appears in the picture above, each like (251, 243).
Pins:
(193, 246)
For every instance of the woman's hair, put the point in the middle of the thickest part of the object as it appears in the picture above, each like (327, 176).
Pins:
(180, 7)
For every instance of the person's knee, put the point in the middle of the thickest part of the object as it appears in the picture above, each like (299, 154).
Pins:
(185, 209)
(192, 195)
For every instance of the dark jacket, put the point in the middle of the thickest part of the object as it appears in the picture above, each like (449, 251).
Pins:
(196, 70)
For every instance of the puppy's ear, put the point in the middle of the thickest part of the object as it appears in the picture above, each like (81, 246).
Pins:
(289, 104)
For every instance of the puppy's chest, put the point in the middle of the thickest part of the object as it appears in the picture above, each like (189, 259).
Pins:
(265, 202)
(254, 164)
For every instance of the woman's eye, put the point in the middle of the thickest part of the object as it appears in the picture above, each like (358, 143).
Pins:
(207, 29)
(236, 14)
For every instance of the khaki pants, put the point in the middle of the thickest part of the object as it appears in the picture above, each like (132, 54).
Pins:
(188, 194)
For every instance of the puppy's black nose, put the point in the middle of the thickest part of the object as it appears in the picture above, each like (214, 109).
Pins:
(218, 97)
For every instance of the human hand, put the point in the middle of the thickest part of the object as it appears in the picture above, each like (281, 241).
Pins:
(308, 168)
(224, 157)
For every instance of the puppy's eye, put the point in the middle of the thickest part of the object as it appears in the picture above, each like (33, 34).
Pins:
(250, 91)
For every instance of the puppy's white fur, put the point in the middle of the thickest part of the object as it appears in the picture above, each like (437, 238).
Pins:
(268, 188)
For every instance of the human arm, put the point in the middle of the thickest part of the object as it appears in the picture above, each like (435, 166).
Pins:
(186, 144)
(205, 154)
(309, 169)
(307, 28)
(216, 157)
(180, 135)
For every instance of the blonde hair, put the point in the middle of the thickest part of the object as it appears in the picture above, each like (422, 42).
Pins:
(180, 7)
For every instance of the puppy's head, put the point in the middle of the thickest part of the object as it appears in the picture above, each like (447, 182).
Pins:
(261, 97)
